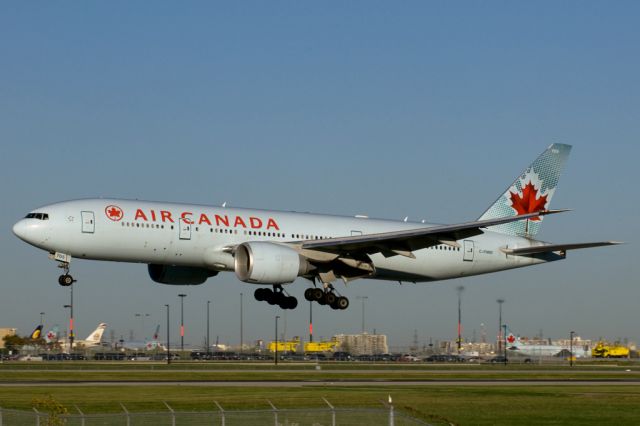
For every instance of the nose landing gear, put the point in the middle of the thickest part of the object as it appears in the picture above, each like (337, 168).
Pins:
(65, 279)
(276, 297)
(327, 296)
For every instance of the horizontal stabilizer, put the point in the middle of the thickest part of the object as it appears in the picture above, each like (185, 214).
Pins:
(549, 248)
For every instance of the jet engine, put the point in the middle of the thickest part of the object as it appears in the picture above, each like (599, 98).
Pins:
(262, 262)
(179, 275)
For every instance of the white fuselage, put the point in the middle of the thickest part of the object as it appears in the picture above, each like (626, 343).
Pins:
(197, 236)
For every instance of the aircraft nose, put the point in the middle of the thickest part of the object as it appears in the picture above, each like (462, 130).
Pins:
(21, 230)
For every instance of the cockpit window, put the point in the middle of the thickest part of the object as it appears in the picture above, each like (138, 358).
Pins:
(39, 216)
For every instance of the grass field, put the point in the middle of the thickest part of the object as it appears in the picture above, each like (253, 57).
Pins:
(480, 404)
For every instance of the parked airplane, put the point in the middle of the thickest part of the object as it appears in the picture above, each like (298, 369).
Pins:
(93, 340)
(187, 244)
(145, 345)
(515, 345)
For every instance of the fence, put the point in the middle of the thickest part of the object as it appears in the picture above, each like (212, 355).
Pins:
(291, 417)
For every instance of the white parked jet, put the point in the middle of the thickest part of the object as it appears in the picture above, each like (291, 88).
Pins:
(93, 340)
(186, 243)
(516, 346)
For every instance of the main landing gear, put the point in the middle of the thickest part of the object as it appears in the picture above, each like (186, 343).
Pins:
(326, 297)
(276, 297)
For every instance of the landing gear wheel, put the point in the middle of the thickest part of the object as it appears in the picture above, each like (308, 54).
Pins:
(261, 294)
(288, 302)
(308, 295)
(65, 280)
(342, 303)
(330, 298)
(318, 294)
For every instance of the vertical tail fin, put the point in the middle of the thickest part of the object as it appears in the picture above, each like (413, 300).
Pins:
(96, 335)
(532, 191)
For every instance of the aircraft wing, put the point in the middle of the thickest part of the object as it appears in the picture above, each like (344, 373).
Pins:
(406, 241)
(548, 248)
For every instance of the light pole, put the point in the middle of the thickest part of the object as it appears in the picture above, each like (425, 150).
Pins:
(571, 333)
(241, 326)
(182, 296)
(208, 303)
(500, 302)
(363, 298)
(168, 347)
(311, 321)
(460, 289)
(505, 343)
(42, 318)
(141, 316)
(276, 352)
(70, 306)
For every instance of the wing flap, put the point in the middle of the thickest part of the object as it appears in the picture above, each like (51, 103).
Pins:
(549, 248)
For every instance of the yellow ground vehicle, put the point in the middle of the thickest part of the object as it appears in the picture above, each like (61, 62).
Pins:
(602, 350)
(285, 346)
(319, 347)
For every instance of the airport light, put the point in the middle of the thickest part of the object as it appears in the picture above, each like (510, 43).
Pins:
(500, 302)
(276, 353)
(363, 298)
(168, 346)
(182, 296)
(42, 318)
(460, 289)
(571, 333)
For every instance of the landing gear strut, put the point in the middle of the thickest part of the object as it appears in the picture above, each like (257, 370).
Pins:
(326, 297)
(276, 297)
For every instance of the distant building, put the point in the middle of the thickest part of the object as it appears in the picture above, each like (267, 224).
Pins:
(6, 332)
(362, 344)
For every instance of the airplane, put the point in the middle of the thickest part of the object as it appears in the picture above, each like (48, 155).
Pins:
(52, 335)
(93, 340)
(515, 345)
(185, 244)
(146, 345)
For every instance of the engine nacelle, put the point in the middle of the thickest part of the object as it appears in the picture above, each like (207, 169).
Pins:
(262, 262)
(179, 275)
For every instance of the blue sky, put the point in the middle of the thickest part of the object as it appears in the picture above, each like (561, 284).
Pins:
(420, 109)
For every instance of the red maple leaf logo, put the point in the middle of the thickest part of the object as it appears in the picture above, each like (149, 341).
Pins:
(529, 202)
(511, 338)
(114, 213)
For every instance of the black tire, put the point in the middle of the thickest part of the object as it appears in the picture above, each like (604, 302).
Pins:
(273, 298)
(342, 303)
(318, 294)
(260, 294)
(289, 303)
(65, 280)
(330, 298)
(308, 295)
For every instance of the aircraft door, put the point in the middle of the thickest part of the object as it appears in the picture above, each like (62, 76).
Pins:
(468, 251)
(185, 230)
(88, 222)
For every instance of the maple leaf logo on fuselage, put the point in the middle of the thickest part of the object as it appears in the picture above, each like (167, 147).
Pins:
(529, 202)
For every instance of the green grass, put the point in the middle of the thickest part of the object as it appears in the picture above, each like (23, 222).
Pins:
(479, 404)
(483, 405)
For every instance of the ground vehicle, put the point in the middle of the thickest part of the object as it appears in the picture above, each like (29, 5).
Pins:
(500, 359)
(444, 358)
(602, 350)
